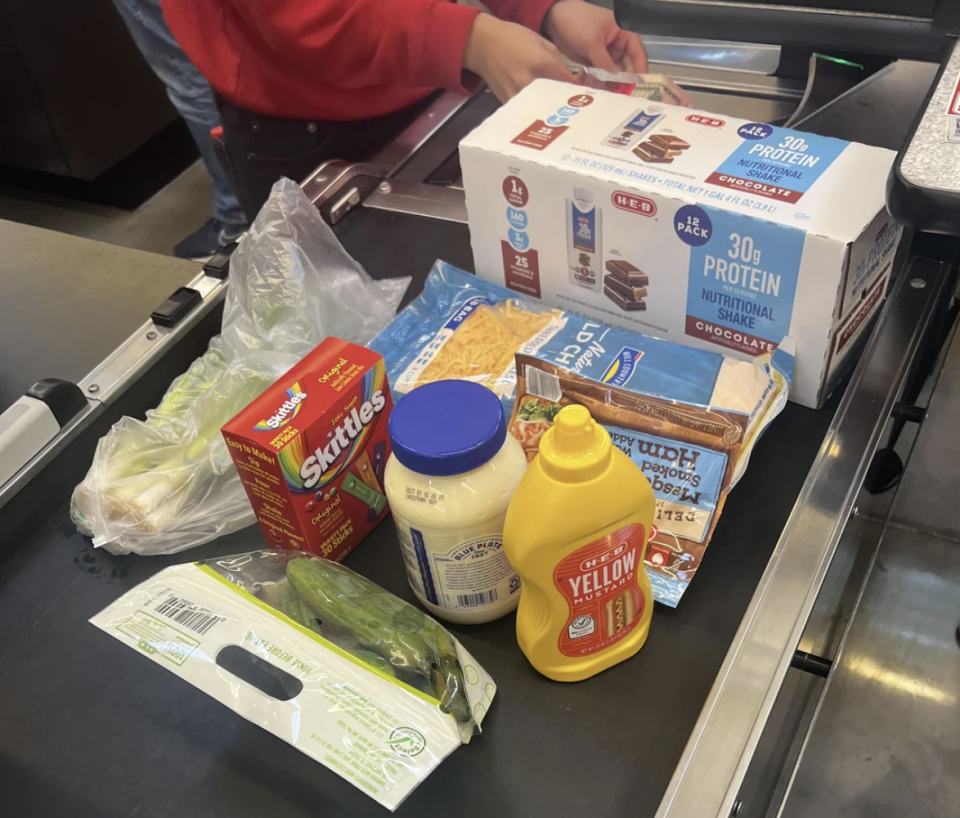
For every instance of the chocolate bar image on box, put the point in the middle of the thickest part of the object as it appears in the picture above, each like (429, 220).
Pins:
(653, 149)
(624, 303)
(642, 151)
(669, 142)
(628, 292)
(626, 273)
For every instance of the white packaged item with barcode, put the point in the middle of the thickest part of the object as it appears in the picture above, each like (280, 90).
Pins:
(349, 674)
(449, 480)
(707, 231)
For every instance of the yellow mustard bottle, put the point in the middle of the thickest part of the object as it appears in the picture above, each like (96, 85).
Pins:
(576, 532)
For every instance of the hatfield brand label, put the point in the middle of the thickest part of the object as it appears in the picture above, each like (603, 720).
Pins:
(708, 231)
(599, 582)
(313, 469)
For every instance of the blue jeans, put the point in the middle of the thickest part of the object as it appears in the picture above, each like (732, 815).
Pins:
(188, 91)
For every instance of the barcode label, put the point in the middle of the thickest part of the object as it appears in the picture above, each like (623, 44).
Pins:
(543, 384)
(185, 612)
(476, 600)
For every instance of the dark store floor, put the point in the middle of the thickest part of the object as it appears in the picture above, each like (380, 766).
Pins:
(170, 215)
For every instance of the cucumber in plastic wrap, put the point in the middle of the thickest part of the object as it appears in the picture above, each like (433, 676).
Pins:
(360, 618)
(286, 600)
(420, 651)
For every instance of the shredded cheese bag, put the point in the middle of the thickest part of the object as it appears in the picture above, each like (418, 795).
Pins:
(464, 328)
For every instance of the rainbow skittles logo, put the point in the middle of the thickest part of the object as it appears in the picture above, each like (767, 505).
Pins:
(305, 470)
(286, 412)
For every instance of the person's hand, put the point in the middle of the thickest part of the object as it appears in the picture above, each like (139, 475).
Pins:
(509, 57)
(590, 35)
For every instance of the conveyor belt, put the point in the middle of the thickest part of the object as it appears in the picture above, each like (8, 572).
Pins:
(395, 244)
(69, 302)
(605, 747)
(68, 306)
(92, 729)
(621, 733)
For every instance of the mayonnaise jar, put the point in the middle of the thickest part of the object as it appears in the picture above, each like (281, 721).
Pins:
(449, 481)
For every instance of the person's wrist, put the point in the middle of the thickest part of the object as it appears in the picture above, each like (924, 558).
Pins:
(547, 27)
(484, 28)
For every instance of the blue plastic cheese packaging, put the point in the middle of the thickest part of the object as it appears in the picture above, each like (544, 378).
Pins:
(688, 418)
(346, 672)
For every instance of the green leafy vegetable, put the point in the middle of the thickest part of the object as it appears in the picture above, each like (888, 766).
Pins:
(417, 649)
(538, 410)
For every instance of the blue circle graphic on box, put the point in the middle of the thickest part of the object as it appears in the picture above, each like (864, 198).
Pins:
(557, 120)
(755, 130)
(517, 218)
(566, 110)
(518, 239)
(693, 225)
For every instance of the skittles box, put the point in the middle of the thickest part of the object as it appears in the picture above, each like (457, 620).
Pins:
(311, 450)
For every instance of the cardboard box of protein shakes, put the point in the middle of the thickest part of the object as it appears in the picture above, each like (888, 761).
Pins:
(705, 230)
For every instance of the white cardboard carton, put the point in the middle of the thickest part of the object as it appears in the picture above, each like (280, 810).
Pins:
(708, 231)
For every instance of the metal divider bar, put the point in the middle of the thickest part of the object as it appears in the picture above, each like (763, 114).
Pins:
(148, 344)
(400, 150)
(337, 186)
(721, 746)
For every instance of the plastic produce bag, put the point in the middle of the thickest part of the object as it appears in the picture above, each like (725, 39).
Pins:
(168, 483)
(346, 672)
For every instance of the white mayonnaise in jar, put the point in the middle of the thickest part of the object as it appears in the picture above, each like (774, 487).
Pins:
(449, 481)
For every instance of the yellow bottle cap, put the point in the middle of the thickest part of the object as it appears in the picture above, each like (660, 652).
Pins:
(576, 448)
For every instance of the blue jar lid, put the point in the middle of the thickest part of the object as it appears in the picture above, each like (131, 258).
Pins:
(447, 427)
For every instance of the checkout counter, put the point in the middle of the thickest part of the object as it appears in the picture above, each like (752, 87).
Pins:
(812, 668)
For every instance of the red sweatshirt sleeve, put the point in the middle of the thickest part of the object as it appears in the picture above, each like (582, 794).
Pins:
(529, 13)
(356, 43)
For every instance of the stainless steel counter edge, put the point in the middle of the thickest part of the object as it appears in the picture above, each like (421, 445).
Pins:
(114, 375)
(721, 746)
(419, 199)
(395, 155)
